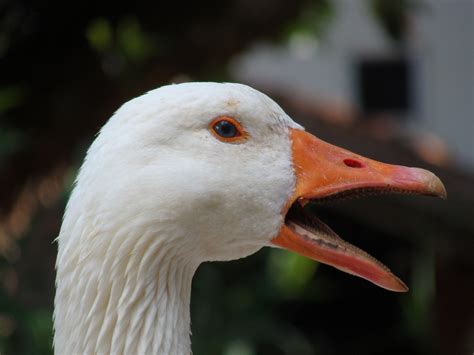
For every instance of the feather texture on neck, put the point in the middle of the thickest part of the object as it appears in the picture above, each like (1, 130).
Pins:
(135, 301)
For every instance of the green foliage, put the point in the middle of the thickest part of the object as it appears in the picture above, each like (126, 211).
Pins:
(234, 308)
(40, 325)
(420, 300)
(127, 38)
(11, 97)
(10, 141)
(290, 272)
(239, 347)
(392, 16)
(132, 40)
(314, 20)
(99, 34)
(25, 331)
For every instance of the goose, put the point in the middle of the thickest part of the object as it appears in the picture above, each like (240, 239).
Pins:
(189, 173)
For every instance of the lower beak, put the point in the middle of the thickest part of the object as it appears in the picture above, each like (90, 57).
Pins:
(324, 171)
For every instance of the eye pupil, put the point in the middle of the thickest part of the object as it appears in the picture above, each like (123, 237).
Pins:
(225, 129)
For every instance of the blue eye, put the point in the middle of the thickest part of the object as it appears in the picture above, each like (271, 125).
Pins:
(226, 129)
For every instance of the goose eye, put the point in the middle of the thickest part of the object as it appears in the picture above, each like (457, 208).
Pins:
(227, 129)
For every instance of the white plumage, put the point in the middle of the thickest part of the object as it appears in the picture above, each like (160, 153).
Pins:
(158, 195)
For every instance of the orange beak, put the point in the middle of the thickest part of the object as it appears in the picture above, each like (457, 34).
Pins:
(324, 171)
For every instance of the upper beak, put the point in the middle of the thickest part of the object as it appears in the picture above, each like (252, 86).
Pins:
(323, 170)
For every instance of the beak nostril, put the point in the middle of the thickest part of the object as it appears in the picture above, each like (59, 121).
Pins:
(352, 163)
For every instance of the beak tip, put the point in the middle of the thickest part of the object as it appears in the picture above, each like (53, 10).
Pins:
(442, 191)
(397, 285)
(432, 185)
(403, 288)
(443, 194)
(437, 187)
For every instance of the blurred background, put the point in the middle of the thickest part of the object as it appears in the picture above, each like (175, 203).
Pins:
(389, 79)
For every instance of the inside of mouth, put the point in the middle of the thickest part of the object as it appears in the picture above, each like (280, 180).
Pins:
(361, 192)
(310, 226)
(334, 251)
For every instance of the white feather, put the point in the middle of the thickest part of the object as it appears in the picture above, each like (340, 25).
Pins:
(157, 195)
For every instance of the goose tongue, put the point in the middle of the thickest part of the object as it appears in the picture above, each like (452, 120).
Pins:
(312, 238)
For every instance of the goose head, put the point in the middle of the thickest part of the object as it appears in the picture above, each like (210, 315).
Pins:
(204, 172)
(211, 161)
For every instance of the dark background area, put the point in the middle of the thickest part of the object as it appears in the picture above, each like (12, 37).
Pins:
(66, 66)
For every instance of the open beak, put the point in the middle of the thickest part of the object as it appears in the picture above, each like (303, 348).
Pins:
(325, 172)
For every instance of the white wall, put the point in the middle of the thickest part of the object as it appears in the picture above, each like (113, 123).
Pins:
(442, 45)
